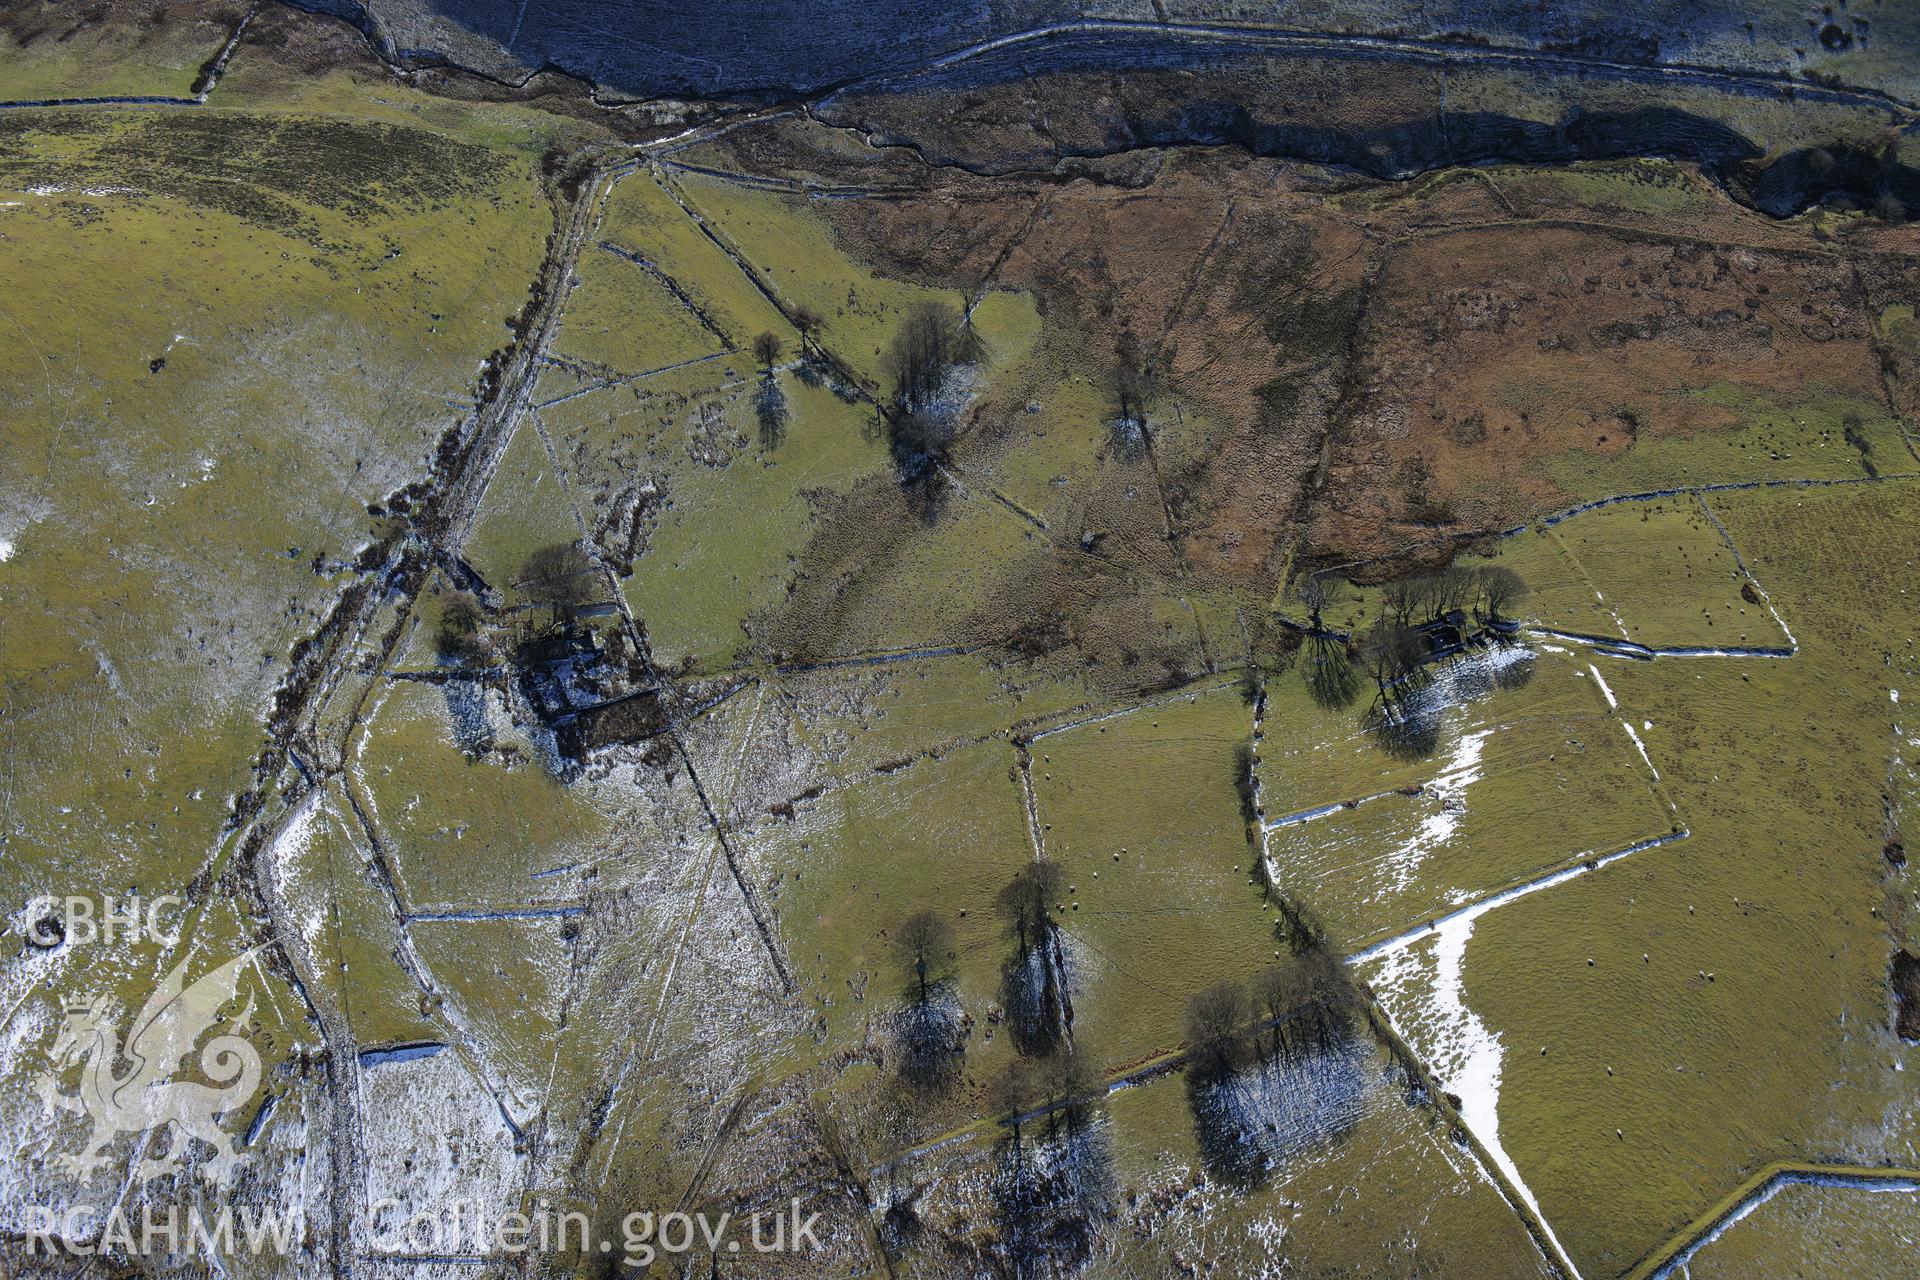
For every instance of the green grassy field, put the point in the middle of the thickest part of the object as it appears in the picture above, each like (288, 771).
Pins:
(470, 835)
(793, 252)
(623, 319)
(643, 218)
(860, 717)
(1816, 1232)
(526, 508)
(1142, 815)
(1523, 781)
(54, 53)
(711, 544)
(838, 879)
(1657, 573)
(215, 377)
(1769, 438)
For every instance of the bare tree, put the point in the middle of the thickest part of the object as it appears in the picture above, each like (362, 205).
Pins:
(930, 344)
(1453, 588)
(1130, 382)
(1215, 1020)
(1026, 904)
(459, 638)
(1074, 1085)
(1276, 991)
(807, 321)
(770, 409)
(1392, 655)
(1499, 587)
(1328, 671)
(1131, 388)
(1033, 980)
(1400, 600)
(1325, 982)
(924, 942)
(559, 576)
(1318, 592)
(766, 349)
(1011, 1094)
(918, 440)
(1328, 667)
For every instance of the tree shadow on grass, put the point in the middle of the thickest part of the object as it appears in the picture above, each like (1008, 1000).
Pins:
(930, 1037)
(1030, 995)
(1308, 1087)
(770, 409)
(1049, 1195)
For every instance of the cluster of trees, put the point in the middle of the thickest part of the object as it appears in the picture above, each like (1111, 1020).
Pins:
(461, 637)
(1394, 656)
(1062, 1088)
(1286, 1005)
(1416, 614)
(1033, 981)
(1051, 1072)
(1396, 651)
(561, 577)
(934, 340)
(1485, 593)
(1308, 997)
(1056, 1083)
(1044, 1210)
(1288, 1012)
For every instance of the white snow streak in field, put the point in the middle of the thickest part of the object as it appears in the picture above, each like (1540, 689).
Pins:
(1465, 1055)
(1448, 792)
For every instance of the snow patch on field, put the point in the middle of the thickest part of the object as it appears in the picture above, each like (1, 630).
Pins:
(1425, 987)
(287, 859)
(24, 1134)
(1448, 792)
(435, 1140)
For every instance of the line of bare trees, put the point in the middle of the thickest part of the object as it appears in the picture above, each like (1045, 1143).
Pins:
(1034, 978)
(1288, 1007)
(1485, 593)
(1130, 382)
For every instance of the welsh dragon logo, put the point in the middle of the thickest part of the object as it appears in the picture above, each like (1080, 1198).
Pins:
(145, 1097)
